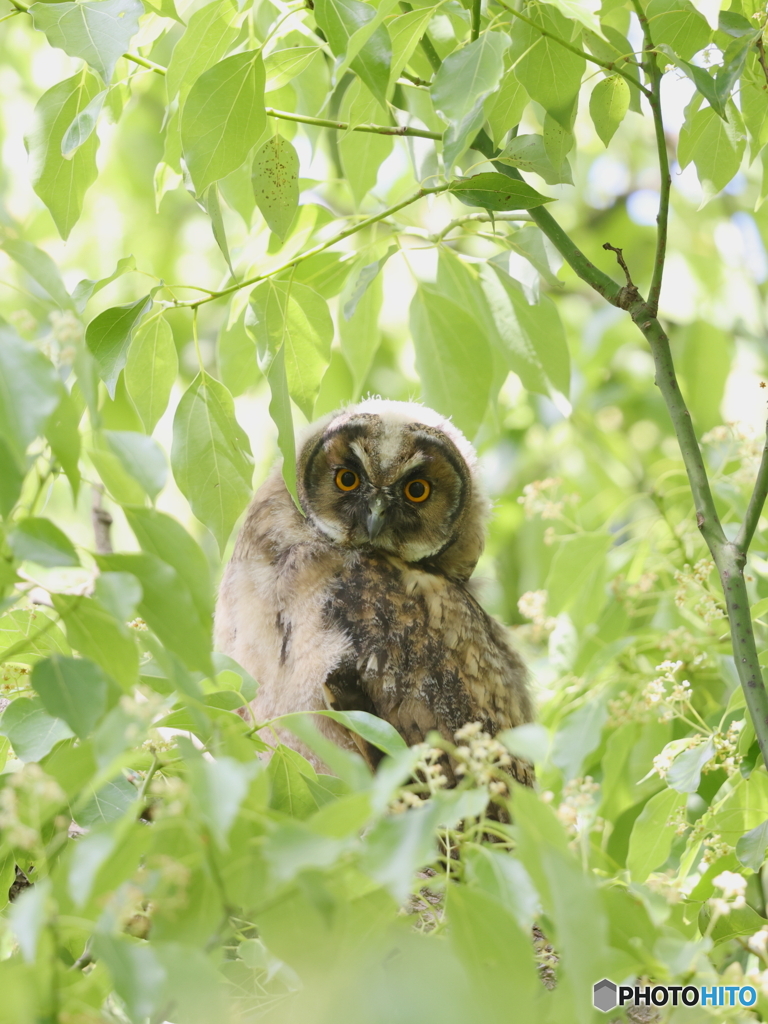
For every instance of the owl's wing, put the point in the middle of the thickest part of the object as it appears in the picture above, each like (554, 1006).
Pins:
(349, 688)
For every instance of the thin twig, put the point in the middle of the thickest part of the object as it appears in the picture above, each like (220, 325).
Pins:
(194, 303)
(102, 522)
(650, 67)
(480, 218)
(343, 126)
(148, 64)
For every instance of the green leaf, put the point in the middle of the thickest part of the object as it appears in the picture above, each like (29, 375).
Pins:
(704, 360)
(504, 108)
(714, 145)
(339, 20)
(98, 33)
(399, 845)
(109, 804)
(294, 318)
(73, 689)
(108, 337)
(150, 369)
(39, 540)
(375, 730)
(576, 561)
(20, 630)
(86, 288)
(608, 105)
(275, 181)
(405, 32)
(532, 335)
(283, 65)
(495, 191)
(685, 773)
(223, 117)
(211, 456)
(137, 975)
(83, 125)
(453, 358)
(141, 457)
(362, 155)
(528, 153)
(211, 203)
(29, 392)
(583, 11)
(494, 951)
(359, 324)
(62, 183)
(63, 435)
(282, 417)
(677, 24)
(289, 775)
(550, 74)
(209, 34)
(32, 731)
(122, 487)
(41, 268)
(94, 633)
(460, 87)
(161, 535)
(751, 847)
(701, 78)
(167, 606)
(236, 357)
(218, 789)
(578, 736)
(651, 838)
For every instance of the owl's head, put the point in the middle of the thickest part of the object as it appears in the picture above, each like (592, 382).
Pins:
(397, 477)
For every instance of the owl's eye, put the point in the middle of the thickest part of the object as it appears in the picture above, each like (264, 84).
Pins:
(347, 480)
(417, 490)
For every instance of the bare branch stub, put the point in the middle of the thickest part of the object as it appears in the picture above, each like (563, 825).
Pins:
(629, 292)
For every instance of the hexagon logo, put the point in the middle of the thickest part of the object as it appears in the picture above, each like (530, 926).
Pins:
(604, 995)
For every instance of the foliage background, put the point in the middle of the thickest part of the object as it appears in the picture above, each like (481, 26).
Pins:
(201, 888)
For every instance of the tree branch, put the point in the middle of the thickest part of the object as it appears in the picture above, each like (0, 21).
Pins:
(650, 67)
(342, 126)
(482, 218)
(579, 263)
(194, 303)
(606, 65)
(475, 30)
(148, 64)
(756, 502)
(729, 557)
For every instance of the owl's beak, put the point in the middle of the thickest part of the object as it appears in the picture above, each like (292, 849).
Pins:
(376, 518)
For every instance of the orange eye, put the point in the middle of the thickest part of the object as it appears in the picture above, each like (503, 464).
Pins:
(347, 480)
(417, 490)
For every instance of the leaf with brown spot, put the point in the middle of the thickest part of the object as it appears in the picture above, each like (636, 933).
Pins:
(275, 181)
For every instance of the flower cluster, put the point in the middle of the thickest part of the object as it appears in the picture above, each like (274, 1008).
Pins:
(480, 757)
(26, 802)
(533, 605)
(694, 581)
(737, 441)
(537, 499)
(578, 805)
(732, 887)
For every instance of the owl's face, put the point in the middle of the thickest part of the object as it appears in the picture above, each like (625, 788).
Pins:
(398, 478)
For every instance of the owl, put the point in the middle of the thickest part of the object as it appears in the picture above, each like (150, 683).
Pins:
(360, 601)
